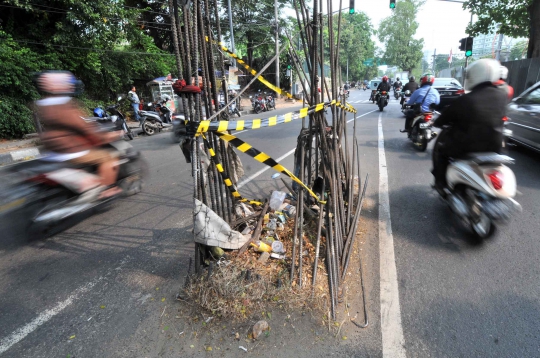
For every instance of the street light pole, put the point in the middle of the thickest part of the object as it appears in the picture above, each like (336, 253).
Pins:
(277, 43)
(232, 33)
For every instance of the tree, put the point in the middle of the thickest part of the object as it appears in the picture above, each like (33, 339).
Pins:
(441, 62)
(517, 18)
(397, 31)
(356, 45)
(518, 51)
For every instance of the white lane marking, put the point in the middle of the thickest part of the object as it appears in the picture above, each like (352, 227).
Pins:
(365, 114)
(251, 177)
(393, 342)
(24, 331)
(245, 130)
(21, 333)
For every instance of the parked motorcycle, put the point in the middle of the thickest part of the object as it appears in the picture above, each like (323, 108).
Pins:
(113, 115)
(161, 108)
(258, 103)
(382, 99)
(270, 102)
(152, 121)
(421, 132)
(480, 190)
(46, 191)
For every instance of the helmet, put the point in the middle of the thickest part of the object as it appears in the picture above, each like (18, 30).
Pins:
(427, 79)
(411, 79)
(99, 112)
(58, 83)
(504, 73)
(385, 78)
(397, 78)
(482, 71)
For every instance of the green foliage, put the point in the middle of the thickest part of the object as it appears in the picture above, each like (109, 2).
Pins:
(100, 41)
(397, 31)
(356, 45)
(515, 18)
(518, 51)
(15, 118)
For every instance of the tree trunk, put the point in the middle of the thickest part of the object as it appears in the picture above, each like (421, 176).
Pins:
(534, 32)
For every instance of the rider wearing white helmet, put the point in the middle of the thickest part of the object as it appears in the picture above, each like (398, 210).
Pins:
(475, 119)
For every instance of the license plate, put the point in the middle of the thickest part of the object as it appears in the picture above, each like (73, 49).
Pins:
(446, 93)
(424, 125)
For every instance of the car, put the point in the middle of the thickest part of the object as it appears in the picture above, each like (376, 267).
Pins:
(449, 89)
(523, 114)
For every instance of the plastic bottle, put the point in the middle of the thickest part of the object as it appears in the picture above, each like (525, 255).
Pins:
(277, 199)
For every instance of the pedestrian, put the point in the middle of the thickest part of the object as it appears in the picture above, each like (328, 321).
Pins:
(134, 99)
(141, 105)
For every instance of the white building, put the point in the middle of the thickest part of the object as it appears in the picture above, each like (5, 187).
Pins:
(486, 44)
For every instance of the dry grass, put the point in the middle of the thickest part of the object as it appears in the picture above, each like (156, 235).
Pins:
(241, 286)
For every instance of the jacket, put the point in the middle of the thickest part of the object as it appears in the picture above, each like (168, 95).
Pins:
(383, 86)
(65, 130)
(476, 121)
(410, 86)
(133, 97)
(431, 97)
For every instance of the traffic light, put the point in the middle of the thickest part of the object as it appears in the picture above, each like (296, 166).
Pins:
(466, 44)
(392, 4)
(351, 7)
(468, 47)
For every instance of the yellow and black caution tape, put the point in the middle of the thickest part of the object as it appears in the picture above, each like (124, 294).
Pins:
(347, 107)
(239, 125)
(265, 159)
(228, 182)
(252, 70)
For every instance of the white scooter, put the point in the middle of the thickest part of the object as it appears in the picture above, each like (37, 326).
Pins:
(480, 191)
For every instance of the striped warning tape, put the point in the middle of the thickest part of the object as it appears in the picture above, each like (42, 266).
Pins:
(265, 159)
(240, 125)
(228, 182)
(252, 70)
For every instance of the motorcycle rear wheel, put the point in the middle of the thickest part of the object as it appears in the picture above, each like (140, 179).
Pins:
(147, 129)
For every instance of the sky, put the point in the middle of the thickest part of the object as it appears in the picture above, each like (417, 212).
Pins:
(441, 23)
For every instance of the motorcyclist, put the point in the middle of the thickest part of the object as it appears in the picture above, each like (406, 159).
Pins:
(397, 85)
(68, 136)
(421, 100)
(383, 86)
(410, 86)
(475, 119)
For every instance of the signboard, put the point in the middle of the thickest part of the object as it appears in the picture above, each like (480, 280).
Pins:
(233, 77)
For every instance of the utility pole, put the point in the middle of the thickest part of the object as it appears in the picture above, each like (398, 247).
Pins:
(347, 69)
(277, 43)
(466, 60)
(499, 46)
(232, 33)
(434, 58)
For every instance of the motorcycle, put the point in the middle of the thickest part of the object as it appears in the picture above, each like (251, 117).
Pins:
(405, 96)
(152, 121)
(270, 102)
(382, 100)
(480, 190)
(397, 91)
(161, 108)
(230, 111)
(46, 192)
(373, 96)
(421, 132)
(113, 115)
(258, 103)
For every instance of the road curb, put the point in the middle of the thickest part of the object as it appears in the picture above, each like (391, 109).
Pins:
(16, 155)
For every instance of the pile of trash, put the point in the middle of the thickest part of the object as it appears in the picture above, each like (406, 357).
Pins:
(250, 268)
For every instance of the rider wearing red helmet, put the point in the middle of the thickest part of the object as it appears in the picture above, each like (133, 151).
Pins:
(384, 85)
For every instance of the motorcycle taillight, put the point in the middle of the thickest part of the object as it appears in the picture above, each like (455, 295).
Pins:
(383, 92)
(428, 117)
(497, 179)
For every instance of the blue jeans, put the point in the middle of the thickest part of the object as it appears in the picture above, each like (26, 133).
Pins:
(136, 111)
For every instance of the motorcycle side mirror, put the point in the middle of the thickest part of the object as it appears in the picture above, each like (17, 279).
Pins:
(149, 104)
(250, 97)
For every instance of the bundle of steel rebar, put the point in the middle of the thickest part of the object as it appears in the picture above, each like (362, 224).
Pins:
(327, 159)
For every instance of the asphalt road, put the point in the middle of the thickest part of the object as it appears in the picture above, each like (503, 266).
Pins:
(100, 288)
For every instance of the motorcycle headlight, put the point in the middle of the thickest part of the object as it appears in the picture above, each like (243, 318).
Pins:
(114, 118)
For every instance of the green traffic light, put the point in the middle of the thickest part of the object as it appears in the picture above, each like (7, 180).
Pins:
(288, 67)
(392, 5)
(468, 53)
(351, 11)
